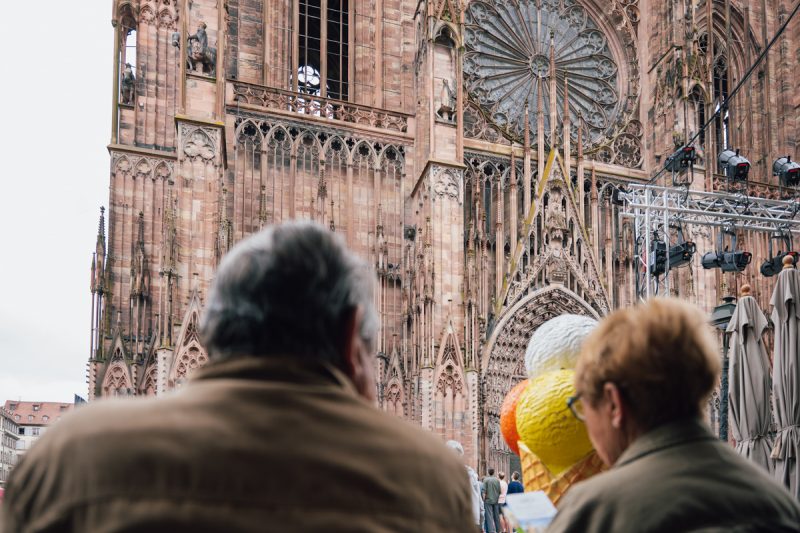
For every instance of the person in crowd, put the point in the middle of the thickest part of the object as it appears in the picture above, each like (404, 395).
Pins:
(515, 486)
(491, 497)
(501, 500)
(475, 484)
(640, 380)
(279, 432)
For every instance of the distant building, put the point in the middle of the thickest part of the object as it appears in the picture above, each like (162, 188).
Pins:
(33, 418)
(9, 437)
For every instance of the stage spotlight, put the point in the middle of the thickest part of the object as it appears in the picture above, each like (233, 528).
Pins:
(726, 261)
(682, 159)
(734, 165)
(773, 267)
(787, 170)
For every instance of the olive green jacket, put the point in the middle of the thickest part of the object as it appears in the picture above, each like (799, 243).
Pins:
(678, 477)
(248, 445)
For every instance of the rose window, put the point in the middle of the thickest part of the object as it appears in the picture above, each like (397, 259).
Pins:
(507, 64)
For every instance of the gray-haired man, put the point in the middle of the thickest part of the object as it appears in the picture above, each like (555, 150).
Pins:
(475, 485)
(278, 433)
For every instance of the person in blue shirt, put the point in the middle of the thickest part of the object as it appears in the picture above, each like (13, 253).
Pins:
(516, 485)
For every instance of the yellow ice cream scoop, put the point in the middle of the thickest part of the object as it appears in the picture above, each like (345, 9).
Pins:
(546, 425)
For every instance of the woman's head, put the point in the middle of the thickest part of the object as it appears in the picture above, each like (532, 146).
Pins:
(644, 367)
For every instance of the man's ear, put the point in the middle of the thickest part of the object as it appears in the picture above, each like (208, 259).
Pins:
(355, 360)
(617, 409)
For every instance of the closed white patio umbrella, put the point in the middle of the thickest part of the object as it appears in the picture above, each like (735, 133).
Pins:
(786, 376)
(749, 382)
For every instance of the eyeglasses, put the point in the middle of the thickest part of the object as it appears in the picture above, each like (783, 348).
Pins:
(575, 405)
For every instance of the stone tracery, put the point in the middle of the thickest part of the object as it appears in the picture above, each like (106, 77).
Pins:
(508, 64)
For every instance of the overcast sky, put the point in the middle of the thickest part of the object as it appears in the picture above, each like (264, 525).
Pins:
(55, 100)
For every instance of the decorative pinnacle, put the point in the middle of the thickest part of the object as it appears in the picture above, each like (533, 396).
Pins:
(101, 229)
(141, 227)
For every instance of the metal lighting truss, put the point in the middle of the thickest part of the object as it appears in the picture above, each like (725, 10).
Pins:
(653, 208)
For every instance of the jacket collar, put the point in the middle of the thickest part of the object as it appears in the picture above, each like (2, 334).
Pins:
(666, 436)
(276, 369)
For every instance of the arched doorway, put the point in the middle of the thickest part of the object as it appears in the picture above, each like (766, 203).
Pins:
(503, 362)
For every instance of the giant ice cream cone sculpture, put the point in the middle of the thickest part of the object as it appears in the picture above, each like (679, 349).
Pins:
(553, 445)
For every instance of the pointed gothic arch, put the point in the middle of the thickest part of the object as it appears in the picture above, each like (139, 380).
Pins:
(117, 380)
(450, 389)
(503, 360)
(150, 385)
(189, 353)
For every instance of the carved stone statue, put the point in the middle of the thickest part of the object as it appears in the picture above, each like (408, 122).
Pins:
(128, 82)
(200, 57)
(447, 99)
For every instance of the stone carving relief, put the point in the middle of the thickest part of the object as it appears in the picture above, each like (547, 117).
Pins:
(328, 142)
(200, 57)
(139, 167)
(128, 85)
(117, 380)
(199, 144)
(477, 127)
(447, 182)
(447, 101)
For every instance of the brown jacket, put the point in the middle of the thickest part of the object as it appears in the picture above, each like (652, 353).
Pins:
(249, 445)
(678, 477)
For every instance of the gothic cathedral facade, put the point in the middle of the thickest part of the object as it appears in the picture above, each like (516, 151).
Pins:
(469, 149)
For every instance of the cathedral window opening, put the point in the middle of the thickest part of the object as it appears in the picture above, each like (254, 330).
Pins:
(487, 206)
(129, 52)
(127, 60)
(697, 114)
(722, 121)
(322, 68)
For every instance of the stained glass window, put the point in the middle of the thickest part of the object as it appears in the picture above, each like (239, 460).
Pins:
(507, 64)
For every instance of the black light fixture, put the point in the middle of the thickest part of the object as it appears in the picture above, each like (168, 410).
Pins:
(773, 265)
(680, 253)
(787, 170)
(734, 165)
(681, 159)
(725, 259)
(616, 195)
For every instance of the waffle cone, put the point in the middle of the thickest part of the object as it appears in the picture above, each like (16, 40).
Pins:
(538, 477)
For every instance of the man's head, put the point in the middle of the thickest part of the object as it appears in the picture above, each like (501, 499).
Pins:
(515, 476)
(641, 368)
(491, 471)
(501, 475)
(294, 290)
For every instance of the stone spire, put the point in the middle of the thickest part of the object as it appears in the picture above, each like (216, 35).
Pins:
(99, 256)
(139, 269)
